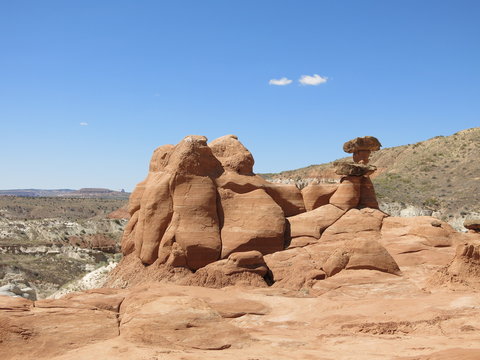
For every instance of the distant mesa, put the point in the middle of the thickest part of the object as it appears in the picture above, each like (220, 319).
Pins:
(95, 191)
(82, 193)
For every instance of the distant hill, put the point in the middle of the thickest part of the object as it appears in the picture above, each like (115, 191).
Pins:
(82, 193)
(441, 174)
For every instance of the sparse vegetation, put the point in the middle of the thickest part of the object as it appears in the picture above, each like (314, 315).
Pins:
(37, 232)
(442, 167)
(28, 208)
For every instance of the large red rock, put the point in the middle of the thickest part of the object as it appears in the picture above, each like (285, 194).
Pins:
(313, 223)
(347, 195)
(239, 183)
(251, 221)
(198, 232)
(202, 202)
(203, 219)
(360, 254)
(287, 196)
(232, 154)
(316, 195)
(240, 269)
(192, 156)
(153, 217)
(364, 223)
(160, 158)
(295, 268)
(153, 203)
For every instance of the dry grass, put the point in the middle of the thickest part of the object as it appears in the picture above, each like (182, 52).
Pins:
(442, 173)
(28, 208)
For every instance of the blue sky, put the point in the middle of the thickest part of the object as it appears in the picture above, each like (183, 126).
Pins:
(146, 73)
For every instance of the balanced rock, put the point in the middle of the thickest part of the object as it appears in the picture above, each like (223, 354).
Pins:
(361, 148)
(353, 169)
(366, 143)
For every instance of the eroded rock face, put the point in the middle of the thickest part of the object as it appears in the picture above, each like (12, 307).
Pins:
(200, 202)
(233, 155)
(202, 208)
(251, 221)
(348, 194)
(361, 254)
(316, 195)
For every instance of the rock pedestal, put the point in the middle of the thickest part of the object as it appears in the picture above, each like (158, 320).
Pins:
(356, 188)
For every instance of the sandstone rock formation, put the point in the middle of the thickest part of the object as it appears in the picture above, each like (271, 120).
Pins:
(202, 217)
(259, 268)
(360, 254)
(361, 148)
(201, 203)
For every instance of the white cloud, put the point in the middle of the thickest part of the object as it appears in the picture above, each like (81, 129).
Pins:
(280, 82)
(312, 80)
(83, 124)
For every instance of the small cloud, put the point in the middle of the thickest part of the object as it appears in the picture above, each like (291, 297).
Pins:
(157, 94)
(280, 82)
(83, 124)
(312, 80)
